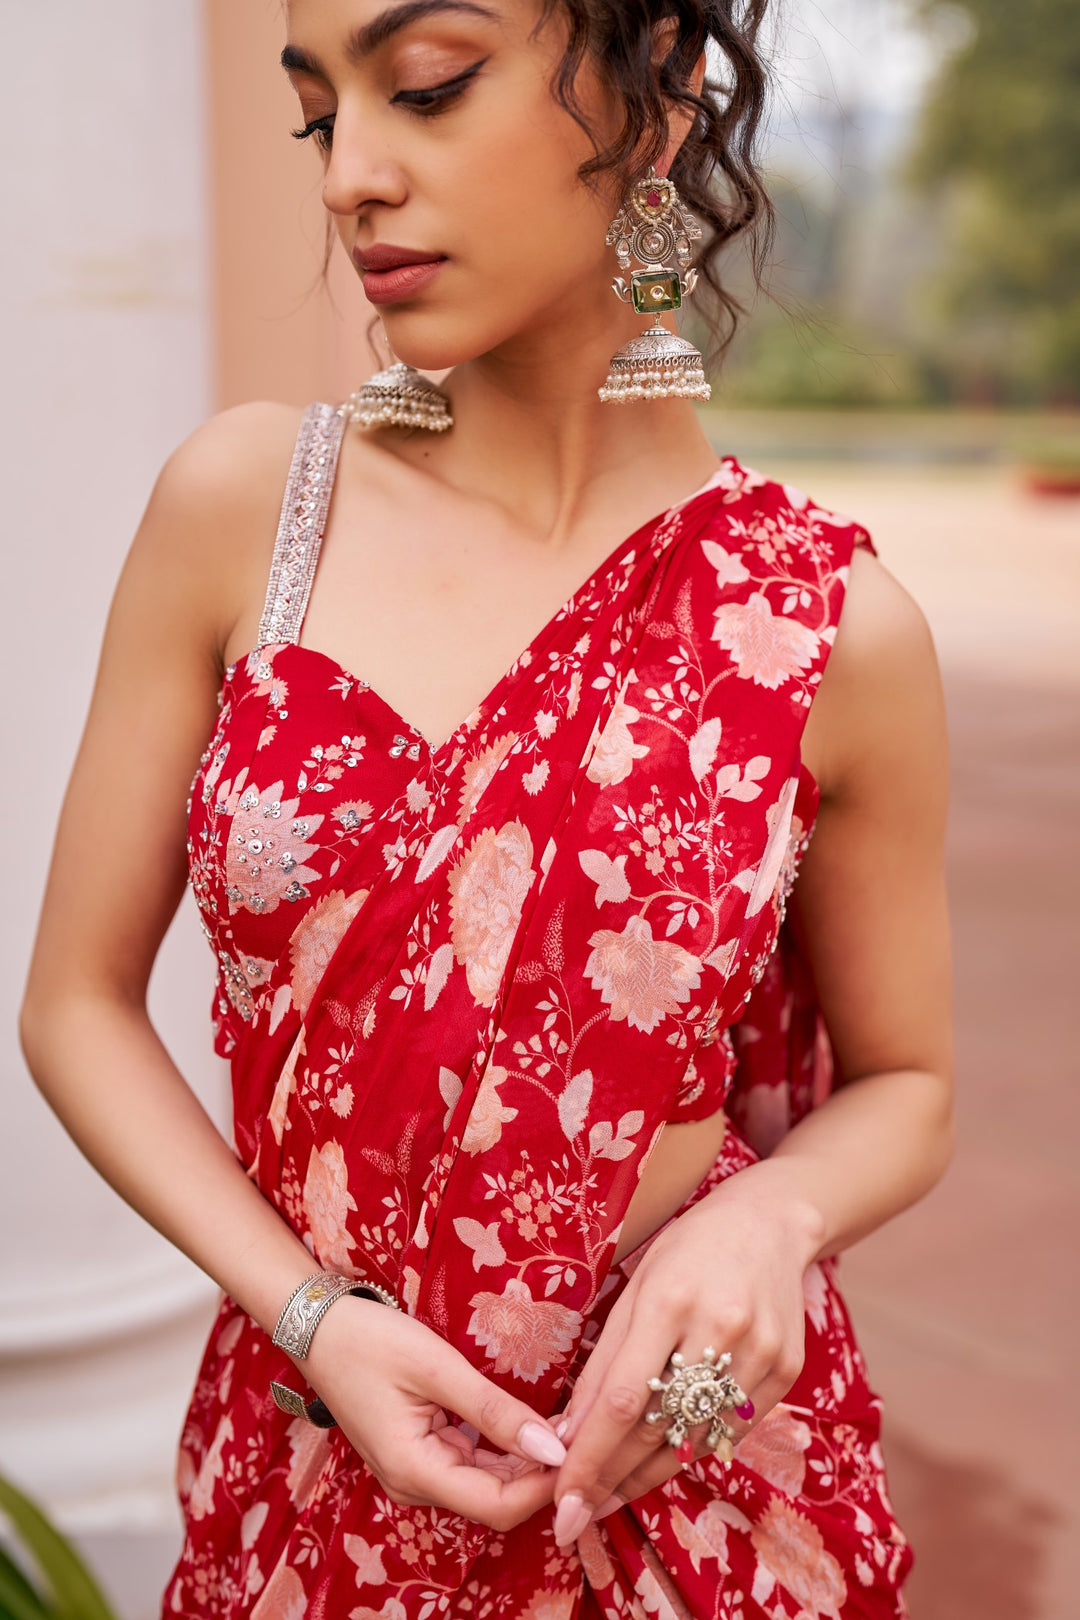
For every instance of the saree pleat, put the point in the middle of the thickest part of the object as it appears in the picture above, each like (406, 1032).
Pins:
(463, 989)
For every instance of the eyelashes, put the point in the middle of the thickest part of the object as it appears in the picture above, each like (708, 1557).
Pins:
(426, 103)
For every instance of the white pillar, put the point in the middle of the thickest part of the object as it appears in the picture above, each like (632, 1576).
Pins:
(105, 309)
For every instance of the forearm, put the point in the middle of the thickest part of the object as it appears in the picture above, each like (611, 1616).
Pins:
(103, 1069)
(873, 1148)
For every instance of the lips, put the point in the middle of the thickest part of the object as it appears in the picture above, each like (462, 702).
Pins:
(393, 273)
(385, 256)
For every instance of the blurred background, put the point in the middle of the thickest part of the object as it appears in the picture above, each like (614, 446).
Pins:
(918, 368)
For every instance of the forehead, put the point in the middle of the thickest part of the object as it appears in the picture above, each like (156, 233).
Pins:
(364, 28)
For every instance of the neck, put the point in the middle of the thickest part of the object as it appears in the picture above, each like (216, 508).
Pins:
(531, 434)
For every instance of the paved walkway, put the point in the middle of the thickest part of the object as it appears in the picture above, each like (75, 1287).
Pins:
(967, 1305)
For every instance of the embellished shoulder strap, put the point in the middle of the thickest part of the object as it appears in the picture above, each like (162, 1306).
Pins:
(303, 518)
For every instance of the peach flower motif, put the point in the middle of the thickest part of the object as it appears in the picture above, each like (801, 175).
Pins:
(526, 1336)
(776, 1449)
(549, 1606)
(488, 1115)
(768, 648)
(266, 848)
(211, 1469)
(476, 773)
(309, 1451)
(283, 1597)
(488, 886)
(315, 939)
(327, 1201)
(616, 749)
(644, 979)
(792, 1550)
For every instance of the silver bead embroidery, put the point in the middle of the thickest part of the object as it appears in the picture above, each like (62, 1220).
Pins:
(303, 517)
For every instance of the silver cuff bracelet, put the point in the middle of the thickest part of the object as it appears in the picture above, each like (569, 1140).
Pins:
(296, 1324)
(306, 1306)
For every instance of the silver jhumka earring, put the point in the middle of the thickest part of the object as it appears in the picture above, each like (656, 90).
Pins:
(399, 396)
(655, 226)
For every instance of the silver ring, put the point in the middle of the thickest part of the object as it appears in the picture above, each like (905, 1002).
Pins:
(698, 1393)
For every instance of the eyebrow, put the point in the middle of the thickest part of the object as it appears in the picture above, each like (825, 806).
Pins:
(364, 41)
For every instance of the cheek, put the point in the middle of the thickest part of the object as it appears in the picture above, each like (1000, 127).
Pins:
(523, 208)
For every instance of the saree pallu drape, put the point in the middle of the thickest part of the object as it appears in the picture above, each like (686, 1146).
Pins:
(462, 988)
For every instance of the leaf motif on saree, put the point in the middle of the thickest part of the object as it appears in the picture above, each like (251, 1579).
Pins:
(616, 750)
(609, 875)
(488, 1115)
(573, 1104)
(484, 1241)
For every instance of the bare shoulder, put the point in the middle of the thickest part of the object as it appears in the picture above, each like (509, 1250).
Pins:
(119, 866)
(211, 518)
(880, 696)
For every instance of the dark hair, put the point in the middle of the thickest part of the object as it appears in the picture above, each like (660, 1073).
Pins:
(620, 38)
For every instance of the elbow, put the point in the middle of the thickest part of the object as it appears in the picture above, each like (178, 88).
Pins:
(32, 1023)
(942, 1132)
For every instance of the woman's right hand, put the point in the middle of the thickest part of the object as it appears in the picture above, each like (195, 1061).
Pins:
(390, 1381)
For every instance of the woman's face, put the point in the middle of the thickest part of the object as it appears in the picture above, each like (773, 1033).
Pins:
(439, 133)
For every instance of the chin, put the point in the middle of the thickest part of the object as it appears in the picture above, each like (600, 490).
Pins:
(433, 340)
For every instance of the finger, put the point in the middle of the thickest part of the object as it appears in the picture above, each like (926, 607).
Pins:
(665, 1464)
(589, 1380)
(512, 1425)
(615, 1416)
(441, 1476)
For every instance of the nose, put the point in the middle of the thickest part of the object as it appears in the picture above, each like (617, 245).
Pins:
(360, 169)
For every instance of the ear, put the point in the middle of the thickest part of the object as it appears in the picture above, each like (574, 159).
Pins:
(680, 119)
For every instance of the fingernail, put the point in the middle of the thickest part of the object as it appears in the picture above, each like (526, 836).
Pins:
(609, 1505)
(571, 1517)
(538, 1442)
(561, 1427)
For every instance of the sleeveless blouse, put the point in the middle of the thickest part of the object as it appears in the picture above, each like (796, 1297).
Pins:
(462, 989)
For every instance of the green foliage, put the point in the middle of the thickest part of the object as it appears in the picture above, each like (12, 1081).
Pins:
(70, 1591)
(999, 146)
(810, 360)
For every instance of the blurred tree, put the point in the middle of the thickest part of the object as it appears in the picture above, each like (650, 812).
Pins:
(999, 144)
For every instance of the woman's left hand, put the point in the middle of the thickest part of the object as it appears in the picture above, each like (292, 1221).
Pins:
(727, 1273)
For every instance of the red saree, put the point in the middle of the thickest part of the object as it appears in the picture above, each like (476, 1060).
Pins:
(462, 988)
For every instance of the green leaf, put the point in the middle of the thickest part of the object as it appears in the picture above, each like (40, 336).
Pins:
(75, 1591)
(18, 1600)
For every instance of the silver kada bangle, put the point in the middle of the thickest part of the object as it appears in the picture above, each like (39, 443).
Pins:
(301, 1315)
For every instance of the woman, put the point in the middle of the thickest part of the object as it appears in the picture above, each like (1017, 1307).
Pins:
(515, 1030)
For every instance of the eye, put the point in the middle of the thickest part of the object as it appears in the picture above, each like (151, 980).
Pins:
(427, 103)
(433, 100)
(321, 128)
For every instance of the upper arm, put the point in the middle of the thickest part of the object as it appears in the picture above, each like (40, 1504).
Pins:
(118, 864)
(869, 904)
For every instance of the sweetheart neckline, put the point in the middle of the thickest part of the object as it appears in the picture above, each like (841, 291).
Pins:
(436, 750)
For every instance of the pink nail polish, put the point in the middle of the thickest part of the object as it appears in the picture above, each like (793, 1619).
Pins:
(561, 1427)
(538, 1442)
(608, 1505)
(571, 1517)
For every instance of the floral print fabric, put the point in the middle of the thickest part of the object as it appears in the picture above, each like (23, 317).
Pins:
(462, 989)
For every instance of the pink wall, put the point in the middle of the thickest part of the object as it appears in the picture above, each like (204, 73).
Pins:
(276, 333)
